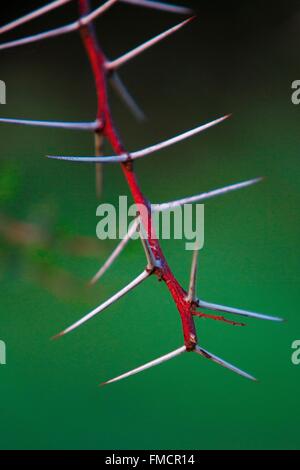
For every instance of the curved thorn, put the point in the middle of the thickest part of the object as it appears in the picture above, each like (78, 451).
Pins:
(116, 252)
(204, 353)
(236, 311)
(205, 196)
(106, 304)
(160, 6)
(156, 362)
(84, 126)
(147, 151)
(34, 14)
(117, 63)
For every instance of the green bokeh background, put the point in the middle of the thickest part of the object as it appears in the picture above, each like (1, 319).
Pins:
(49, 393)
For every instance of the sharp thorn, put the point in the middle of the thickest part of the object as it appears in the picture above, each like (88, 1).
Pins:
(177, 138)
(116, 252)
(144, 275)
(34, 14)
(85, 20)
(193, 277)
(236, 311)
(205, 196)
(151, 261)
(117, 63)
(84, 126)
(122, 91)
(160, 6)
(156, 362)
(204, 353)
(41, 36)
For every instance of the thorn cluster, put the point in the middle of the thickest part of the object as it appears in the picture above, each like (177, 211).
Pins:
(103, 127)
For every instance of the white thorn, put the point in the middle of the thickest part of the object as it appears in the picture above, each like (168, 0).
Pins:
(117, 63)
(84, 126)
(85, 20)
(204, 196)
(221, 362)
(193, 277)
(156, 362)
(144, 152)
(236, 311)
(177, 138)
(151, 261)
(34, 14)
(114, 159)
(41, 36)
(144, 275)
(76, 25)
(126, 97)
(160, 6)
(116, 252)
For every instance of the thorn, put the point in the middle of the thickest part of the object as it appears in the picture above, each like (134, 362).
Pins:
(177, 139)
(160, 6)
(147, 151)
(236, 311)
(193, 277)
(76, 25)
(41, 36)
(85, 20)
(83, 126)
(151, 261)
(144, 275)
(222, 363)
(34, 14)
(117, 63)
(121, 89)
(205, 196)
(156, 362)
(115, 159)
(116, 252)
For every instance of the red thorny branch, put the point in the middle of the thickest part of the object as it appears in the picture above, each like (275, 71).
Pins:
(104, 71)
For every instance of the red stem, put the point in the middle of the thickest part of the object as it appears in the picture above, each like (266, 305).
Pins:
(106, 125)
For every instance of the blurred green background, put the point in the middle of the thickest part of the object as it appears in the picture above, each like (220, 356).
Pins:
(238, 59)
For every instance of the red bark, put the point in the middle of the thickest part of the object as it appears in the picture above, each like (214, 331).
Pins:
(107, 127)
